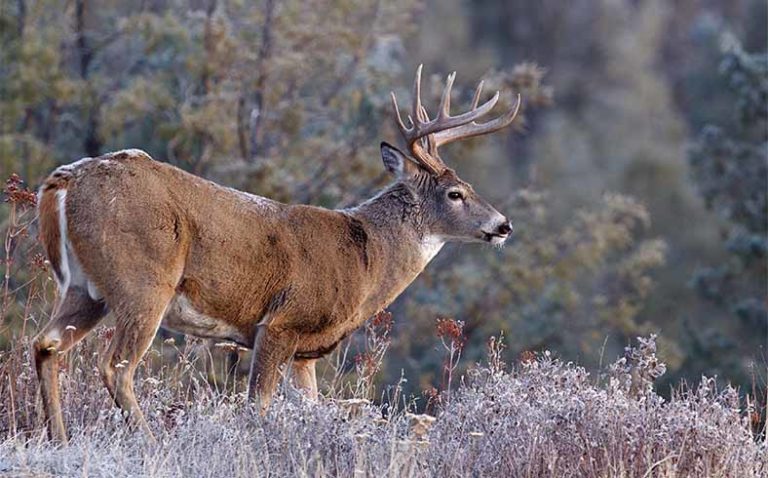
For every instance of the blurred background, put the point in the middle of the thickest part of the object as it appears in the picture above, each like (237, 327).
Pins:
(636, 177)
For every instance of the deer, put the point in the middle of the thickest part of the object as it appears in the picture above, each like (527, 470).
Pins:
(156, 246)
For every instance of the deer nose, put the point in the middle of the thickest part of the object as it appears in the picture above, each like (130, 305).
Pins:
(504, 229)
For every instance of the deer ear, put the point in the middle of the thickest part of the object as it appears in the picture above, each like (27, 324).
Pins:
(397, 162)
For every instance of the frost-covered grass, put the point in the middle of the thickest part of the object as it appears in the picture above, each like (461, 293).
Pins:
(539, 418)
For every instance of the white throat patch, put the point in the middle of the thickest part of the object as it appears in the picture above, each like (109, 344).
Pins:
(430, 246)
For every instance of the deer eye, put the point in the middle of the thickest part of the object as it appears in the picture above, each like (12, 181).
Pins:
(455, 196)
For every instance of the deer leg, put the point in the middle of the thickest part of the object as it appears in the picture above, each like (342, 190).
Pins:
(270, 351)
(75, 316)
(135, 329)
(305, 376)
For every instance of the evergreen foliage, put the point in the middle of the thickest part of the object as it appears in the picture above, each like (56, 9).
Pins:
(730, 168)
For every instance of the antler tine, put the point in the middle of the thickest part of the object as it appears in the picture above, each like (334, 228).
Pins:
(423, 115)
(471, 129)
(417, 96)
(476, 97)
(445, 100)
(398, 118)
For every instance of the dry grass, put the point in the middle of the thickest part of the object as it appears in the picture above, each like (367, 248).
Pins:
(542, 418)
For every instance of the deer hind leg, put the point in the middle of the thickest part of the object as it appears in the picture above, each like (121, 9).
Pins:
(137, 322)
(271, 349)
(75, 315)
(305, 376)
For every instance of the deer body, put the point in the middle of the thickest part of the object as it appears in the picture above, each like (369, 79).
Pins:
(159, 247)
(231, 259)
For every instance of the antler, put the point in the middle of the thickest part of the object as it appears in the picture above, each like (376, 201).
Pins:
(424, 136)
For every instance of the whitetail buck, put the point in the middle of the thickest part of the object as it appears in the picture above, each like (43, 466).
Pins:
(159, 247)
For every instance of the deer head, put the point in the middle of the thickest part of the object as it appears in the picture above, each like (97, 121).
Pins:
(451, 209)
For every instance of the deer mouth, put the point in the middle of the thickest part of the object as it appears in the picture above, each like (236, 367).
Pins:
(494, 238)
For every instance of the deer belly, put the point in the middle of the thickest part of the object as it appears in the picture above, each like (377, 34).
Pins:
(182, 317)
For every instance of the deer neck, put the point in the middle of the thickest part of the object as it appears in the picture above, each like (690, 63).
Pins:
(402, 245)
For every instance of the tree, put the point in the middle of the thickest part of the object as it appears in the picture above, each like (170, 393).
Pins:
(730, 168)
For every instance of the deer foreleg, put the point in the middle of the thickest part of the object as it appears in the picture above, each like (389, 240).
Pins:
(270, 351)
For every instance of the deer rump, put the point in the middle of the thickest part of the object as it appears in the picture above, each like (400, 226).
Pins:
(122, 226)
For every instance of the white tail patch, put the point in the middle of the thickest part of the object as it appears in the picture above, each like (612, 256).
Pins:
(61, 196)
(71, 271)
